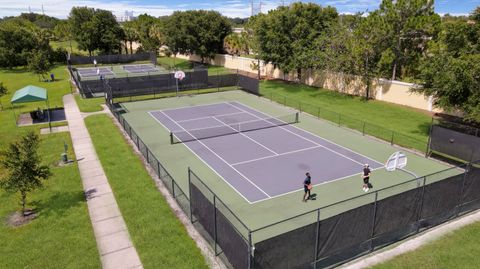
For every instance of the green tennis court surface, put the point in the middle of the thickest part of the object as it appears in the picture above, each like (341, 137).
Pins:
(177, 158)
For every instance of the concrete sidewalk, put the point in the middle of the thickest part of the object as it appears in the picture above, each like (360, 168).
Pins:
(113, 241)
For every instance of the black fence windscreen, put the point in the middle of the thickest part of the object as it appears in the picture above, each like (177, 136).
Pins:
(456, 144)
(218, 222)
(249, 84)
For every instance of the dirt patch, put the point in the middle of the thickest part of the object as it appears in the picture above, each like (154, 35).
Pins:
(17, 219)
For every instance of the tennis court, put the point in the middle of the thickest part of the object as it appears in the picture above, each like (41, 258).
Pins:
(140, 68)
(95, 71)
(248, 149)
(236, 162)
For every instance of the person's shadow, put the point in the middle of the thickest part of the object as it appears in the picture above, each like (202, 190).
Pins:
(312, 197)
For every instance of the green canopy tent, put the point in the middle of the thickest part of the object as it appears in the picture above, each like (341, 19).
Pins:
(29, 94)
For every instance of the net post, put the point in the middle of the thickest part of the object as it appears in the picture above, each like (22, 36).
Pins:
(373, 221)
(171, 138)
(190, 193)
(317, 240)
(391, 139)
(297, 118)
(215, 224)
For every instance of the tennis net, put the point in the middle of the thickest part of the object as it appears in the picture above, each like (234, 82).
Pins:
(222, 129)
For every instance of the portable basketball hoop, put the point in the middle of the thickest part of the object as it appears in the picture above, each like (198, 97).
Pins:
(398, 161)
(179, 75)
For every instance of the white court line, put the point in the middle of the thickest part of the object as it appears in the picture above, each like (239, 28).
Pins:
(311, 134)
(207, 117)
(338, 153)
(201, 159)
(242, 134)
(190, 106)
(316, 185)
(218, 156)
(273, 156)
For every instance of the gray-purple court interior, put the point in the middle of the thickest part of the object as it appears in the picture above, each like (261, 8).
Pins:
(262, 163)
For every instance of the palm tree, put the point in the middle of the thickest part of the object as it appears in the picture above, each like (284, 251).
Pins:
(232, 45)
(131, 35)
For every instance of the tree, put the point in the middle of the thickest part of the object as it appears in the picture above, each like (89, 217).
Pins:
(149, 39)
(63, 31)
(95, 29)
(286, 36)
(130, 34)
(454, 83)
(39, 63)
(366, 49)
(16, 42)
(410, 24)
(24, 171)
(3, 91)
(196, 32)
(83, 30)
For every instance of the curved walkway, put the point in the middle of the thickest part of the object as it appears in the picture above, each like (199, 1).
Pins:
(113, 241)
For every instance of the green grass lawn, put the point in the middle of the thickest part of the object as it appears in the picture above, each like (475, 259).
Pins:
(411, 126)
(456, 250)
(90, 104)
(61, 236)
(159, 237)
(170, 62)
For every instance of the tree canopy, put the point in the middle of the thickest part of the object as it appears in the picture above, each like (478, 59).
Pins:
(95, 29)
(196, 32)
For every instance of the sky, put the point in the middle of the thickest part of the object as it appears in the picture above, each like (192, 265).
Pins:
(230, 8)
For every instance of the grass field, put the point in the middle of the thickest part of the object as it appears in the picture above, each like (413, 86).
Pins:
(171, 63)
(90, 104)
(411, 126)
(158, 236)
(456, 250)
(61, 236)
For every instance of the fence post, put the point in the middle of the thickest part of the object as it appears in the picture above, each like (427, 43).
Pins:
(318, 115)
(460, 203)
(421, 204)
(285, 101)
(316, 239)
(429, 138)
(391, 140)
(363, 128)
(300, 106)
(148, 161)
(215, 223)
(250, 248)
(173, 188)
(158, 170)
(373, 220)
(339, 119)
(190, 194)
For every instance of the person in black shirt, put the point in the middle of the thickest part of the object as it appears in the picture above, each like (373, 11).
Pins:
(307, 186)
(366, 177)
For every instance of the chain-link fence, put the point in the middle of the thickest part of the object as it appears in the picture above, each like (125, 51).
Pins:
(327, 236)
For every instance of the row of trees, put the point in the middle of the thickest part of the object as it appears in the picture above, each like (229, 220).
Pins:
(402, 39)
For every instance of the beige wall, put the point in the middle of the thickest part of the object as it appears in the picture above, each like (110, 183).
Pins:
(396, 92)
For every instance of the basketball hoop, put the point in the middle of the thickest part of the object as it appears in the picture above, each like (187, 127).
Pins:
(398, 161)
(179, 75)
